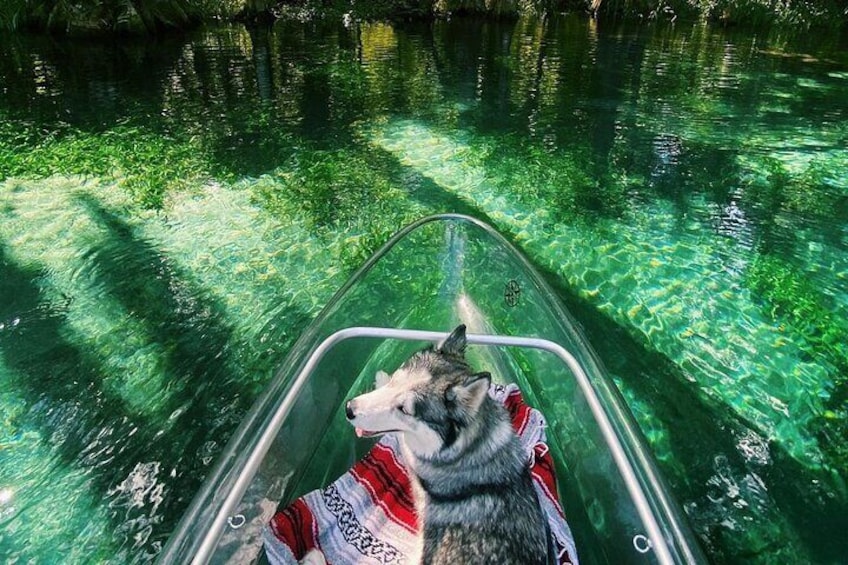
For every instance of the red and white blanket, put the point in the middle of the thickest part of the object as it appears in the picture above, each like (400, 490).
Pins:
(368, 514)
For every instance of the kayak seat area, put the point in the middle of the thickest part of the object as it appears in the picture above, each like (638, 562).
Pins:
(367, 515)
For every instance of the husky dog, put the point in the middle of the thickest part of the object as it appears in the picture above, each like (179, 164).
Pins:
(472, 486)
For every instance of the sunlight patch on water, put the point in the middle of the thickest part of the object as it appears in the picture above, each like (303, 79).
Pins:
(135, 501)
(678, 289)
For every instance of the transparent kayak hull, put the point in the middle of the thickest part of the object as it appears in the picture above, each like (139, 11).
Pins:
(433, 275)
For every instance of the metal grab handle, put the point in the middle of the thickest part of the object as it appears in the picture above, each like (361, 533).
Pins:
(266, 439)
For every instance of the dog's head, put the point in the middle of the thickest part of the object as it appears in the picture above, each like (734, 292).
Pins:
(431, 399)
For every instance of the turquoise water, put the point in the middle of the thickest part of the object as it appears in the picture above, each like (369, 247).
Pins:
(173, 214)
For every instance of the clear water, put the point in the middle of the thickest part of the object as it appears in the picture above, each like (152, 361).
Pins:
(173, 214)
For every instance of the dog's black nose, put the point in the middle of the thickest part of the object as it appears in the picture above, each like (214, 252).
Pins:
(349, 410)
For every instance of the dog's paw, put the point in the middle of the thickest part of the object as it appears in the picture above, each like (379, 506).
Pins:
(314, 557)
(382, 378)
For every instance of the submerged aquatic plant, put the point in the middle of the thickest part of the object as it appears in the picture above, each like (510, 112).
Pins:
(330, 188)
(565, 181)
(145, 163)
(808, 189)
(796, 302)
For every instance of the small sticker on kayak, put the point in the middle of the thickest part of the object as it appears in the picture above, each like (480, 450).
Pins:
(512, 292)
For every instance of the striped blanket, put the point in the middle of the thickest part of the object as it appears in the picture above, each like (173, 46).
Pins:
(368, 514)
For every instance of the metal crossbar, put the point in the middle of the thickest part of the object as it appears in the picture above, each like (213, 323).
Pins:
(655, 541)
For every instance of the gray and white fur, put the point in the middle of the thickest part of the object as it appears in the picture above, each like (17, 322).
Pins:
(474, 494)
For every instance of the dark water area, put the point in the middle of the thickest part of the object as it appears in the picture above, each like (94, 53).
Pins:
(174, 212)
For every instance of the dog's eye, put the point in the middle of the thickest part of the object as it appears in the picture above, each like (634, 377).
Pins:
(406, 408)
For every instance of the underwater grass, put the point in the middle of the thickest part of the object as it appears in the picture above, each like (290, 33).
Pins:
(264, 274)
(564, 181)
(268, 204)
(569, 180)
(145, 163)
(330, 189)
(327, 186)
(809, 189)
(796, 302)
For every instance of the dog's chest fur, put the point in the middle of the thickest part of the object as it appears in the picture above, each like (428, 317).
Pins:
(478, 504)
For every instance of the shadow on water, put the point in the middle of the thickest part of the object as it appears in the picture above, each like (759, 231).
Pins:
(146, 283)
(708, 441)
(64, 386)
(429, 193)
(54, 369)
(201, 360)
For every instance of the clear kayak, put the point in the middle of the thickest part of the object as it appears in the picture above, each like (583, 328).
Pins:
(431, 276)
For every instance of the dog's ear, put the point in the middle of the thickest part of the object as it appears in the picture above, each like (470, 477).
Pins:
(471, 391)
(455, 343)
(382, 378)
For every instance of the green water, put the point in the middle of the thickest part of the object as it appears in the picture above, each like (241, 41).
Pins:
(172, 214)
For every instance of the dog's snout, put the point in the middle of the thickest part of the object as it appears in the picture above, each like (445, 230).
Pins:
(349, 410)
